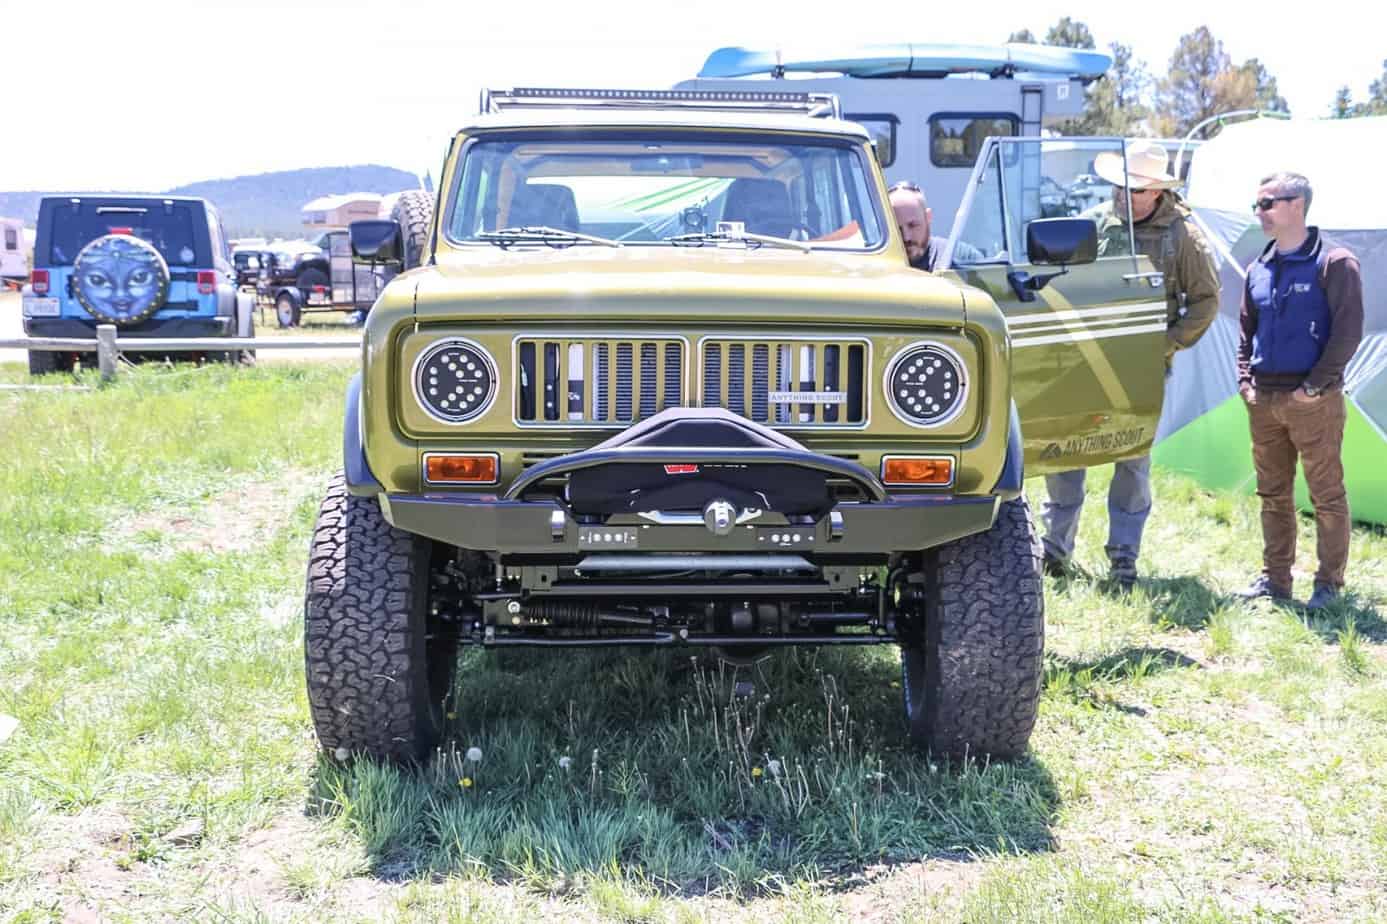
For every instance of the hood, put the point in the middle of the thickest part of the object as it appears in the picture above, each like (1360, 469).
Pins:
(658, 284)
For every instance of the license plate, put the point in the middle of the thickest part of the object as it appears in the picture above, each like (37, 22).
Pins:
(40, 307)
(318, 298)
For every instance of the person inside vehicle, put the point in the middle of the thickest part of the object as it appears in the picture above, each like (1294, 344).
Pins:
(913, 217)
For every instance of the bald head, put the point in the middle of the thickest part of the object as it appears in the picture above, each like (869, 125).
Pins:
(913, 217)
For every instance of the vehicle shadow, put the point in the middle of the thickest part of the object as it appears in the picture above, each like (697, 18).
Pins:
(668, 768)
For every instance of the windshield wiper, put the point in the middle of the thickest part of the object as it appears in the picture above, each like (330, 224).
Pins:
(552, 237)
(699, 238)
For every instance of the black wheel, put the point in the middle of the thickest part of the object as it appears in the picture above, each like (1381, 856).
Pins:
(378, 667)
(972, 672)
(287, 311)
(414, 213)
(42, 362)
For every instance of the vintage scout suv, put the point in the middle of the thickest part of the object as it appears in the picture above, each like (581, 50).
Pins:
(663, 378)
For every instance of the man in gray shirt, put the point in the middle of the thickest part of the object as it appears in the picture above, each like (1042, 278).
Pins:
(913, 216)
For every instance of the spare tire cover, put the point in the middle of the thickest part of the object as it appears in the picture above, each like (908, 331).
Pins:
(120, 279)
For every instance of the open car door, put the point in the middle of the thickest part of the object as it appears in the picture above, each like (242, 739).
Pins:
(1087, 346)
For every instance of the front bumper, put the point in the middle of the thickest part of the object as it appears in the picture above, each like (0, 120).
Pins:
(850, 531)
(839, 511)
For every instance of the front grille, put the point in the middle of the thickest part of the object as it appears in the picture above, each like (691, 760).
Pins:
(787, 382)
(566, 381)
(577, 381)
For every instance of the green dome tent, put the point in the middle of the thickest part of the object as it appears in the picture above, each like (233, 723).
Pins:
(1203, 430)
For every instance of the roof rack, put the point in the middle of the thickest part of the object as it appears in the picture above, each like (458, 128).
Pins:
(821, 105)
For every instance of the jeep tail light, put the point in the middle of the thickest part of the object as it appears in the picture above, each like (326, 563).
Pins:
(206, 282)
(935, 471)
(455, 468)
(38, 279)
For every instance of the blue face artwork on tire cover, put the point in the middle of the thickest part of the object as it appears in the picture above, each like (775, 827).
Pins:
(120, 279)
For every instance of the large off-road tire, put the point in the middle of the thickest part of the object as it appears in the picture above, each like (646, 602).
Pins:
(42, 362)
(414, 213)
(378, 672)
(972, 675)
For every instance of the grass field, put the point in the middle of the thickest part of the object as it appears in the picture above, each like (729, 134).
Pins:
(1195, 760)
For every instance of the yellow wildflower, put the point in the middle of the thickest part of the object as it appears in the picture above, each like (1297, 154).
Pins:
(756, 773)
(465, 782)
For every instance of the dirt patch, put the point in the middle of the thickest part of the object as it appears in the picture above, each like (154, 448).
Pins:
(233, 521)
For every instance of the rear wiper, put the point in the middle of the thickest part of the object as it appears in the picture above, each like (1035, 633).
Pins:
(699, 238)
(552, 237)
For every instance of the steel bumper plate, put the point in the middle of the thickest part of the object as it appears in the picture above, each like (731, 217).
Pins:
(511, 527)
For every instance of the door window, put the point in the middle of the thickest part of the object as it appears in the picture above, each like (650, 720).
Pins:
(1025, 179)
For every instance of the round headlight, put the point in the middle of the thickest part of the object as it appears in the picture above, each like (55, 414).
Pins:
(925, 385)
(455, 380)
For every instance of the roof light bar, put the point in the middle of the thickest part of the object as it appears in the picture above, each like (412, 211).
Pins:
(823, 105)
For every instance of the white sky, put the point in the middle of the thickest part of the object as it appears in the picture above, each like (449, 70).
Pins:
(150, 94)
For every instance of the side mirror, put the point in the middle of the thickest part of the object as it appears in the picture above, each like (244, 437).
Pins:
(1061, 241)
(376, 241)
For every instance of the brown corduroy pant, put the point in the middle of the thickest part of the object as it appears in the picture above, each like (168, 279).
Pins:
(1283, 429)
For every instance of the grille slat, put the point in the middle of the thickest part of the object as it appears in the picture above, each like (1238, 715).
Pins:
(570, 380)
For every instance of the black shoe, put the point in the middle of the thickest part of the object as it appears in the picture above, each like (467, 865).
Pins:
(1056, 567)
(1263, 587)
(1324, 596)
(1123, 574)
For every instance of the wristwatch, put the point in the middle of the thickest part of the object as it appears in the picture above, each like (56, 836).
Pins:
(1311, 391)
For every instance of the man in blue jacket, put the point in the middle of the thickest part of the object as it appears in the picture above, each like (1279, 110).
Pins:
(1302, 319)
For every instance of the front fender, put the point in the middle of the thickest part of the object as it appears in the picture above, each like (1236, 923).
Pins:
(360, 480)
(1013, 475)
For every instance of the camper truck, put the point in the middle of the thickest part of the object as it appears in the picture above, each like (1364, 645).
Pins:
(928, 107)
(14, 250)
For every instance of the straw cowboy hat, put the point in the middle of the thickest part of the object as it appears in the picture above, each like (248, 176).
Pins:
(1146, 167)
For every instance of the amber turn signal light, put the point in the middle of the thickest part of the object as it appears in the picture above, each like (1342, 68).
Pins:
(922, 470)
(450, 468)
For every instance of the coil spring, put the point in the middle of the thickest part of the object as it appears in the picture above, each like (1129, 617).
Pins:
(562, 613)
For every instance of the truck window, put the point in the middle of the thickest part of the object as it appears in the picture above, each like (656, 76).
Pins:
(169, 230)
(882, 128)
(11, 239)
(1026, 179)
(649, 188)
(955, 139)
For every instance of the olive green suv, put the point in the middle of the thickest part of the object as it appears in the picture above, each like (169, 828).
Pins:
(657, 374)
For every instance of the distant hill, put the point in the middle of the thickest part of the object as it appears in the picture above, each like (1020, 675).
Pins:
(266, 204)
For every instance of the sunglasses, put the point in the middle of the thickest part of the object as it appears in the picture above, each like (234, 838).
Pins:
(904, 185)
(1267, 203)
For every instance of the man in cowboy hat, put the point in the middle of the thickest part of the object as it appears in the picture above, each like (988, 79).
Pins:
(1167, 235)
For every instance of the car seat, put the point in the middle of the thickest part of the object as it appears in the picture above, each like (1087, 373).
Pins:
(762, 205)
(551, 205)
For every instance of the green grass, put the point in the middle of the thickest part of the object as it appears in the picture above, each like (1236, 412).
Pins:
(1195, 759)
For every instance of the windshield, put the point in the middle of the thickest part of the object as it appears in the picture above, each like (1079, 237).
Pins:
(648, 189)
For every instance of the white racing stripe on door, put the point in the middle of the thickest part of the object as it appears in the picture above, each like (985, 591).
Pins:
(1080, 314)
(1077, 336)
(1094, 324)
